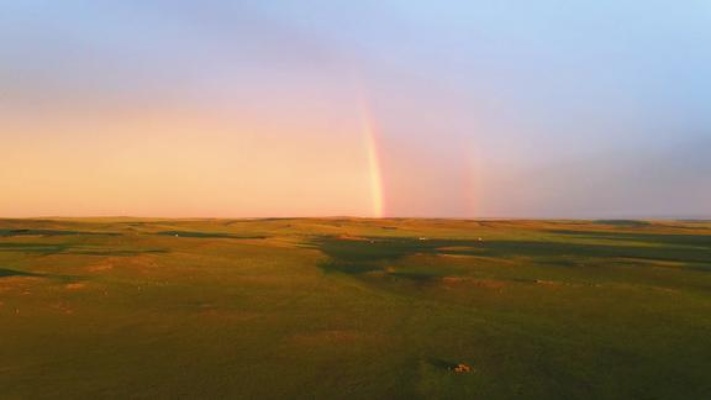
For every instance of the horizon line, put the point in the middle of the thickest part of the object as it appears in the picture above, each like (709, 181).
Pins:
(256, 218)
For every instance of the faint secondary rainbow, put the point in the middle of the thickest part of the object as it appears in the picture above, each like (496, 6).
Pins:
(369, 130)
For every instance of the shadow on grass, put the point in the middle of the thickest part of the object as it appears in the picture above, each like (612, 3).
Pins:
(663, 239)
(66, 249)
(14, 273)
(372, 258)
(418, 277)
(39, 248)
(50, 232)
(367, 255)
(7, 273)
(623, 222)
(351, 268)
(557, 249)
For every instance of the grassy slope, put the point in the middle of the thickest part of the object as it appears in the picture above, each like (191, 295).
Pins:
(341, 308)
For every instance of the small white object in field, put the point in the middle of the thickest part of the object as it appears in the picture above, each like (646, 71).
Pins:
(422, 238)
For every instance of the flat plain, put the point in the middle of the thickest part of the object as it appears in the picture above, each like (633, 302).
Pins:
(354, 308)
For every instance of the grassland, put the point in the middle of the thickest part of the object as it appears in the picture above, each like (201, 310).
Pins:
(351, 308)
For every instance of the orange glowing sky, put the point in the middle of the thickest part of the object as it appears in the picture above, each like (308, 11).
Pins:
(370, 108)
(173, 162)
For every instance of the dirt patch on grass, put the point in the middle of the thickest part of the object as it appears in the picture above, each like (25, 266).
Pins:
(75, 286)
(20, 283)
(450, 366)
(101, 266)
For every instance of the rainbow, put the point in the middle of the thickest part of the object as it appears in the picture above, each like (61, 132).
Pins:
(369, 131)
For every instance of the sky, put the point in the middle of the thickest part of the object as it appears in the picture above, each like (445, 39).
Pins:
(373, 108)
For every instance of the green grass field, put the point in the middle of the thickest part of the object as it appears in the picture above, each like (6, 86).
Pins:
(352, 308)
